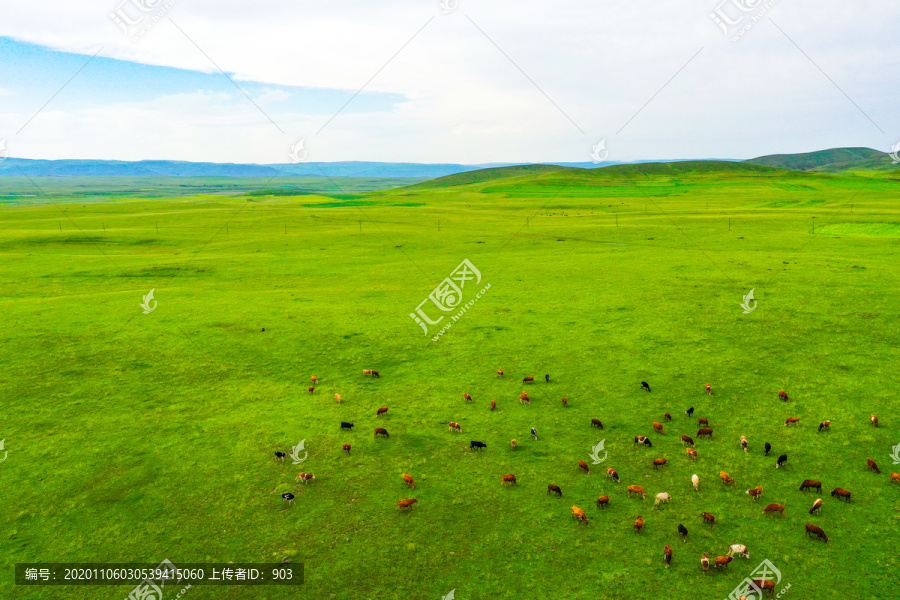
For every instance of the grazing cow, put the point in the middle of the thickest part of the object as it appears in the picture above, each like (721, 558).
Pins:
(783, 395)
(667, 554)
(513, 444)
(645, 386)
(705, 432)
(722, 561)
(841, 493)
(662, 497)
(708, 518)
(314, 380)
(696, 482)
(708, 390)
(816, 506)
(467, 397)
(765, 585)
(409, 480)
(658, 427)
(367, 372)
(667, 417)
(895, 477)
(534, 433)
(811, 483)
(874, 420)
(603, 502)
(406, 503)
(744, 443)
(346, 448)
(529, 379)
(792, 421)
(690, 412)
(816, 531)
(756, 492)
(873, 465)
(455, 426)
(639, 439)
(610, 472)
(739, 549)
(658, 462)
(473, 445)
(691, 453)
(768, 448)
(725, 478)
(547, 378)
(704, 562)
(636, 489)
(311, 389)
(493, 405)
(596, 423)
(554, 489)
(381, 431)
(381, 411)
(779, 508)
(337, 397)
(565, 402)
(825, 425)
(686, 440)
(781, 461)
(510, 479)
(579, 514)
(702, 421)
(499, 372)
(523, 398)
(279, 456)
(583, 466)
(287, 497)
(304, 477)
(639, 524)
(376, 375)
(345, 425)
(683, 532)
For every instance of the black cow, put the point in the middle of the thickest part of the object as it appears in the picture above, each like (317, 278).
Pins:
(477, 445)
(280, 455)
(689, 412)
(547, 378)
(768, 448)
(682, 531)
(645, 385)
(289, 497)
(781, 460)
(345, 425)
(534, 433)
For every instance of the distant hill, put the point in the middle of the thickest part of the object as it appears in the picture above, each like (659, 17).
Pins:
(834, 160)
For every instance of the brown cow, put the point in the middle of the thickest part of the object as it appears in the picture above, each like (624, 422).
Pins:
(467, 397)
(667, 555)
(610, 472)
(779, 508)
(811, 483)
(816, 531)
(579, 514)
(565, 402)
(705, 432)
(874, 420)
(406, 503)
(311, 389)
(873, 465)
(708, 518)
(792, 421)
(304, 477)
(510, 479)
(702, 422)
(841, 493)
(825, 425)
(744, 443)
(367, 372)
(529, 379)
(895, 477)
(493, 405)
(639, 524)
(704, 562)
(658, 462)
(708, 390)
(314, 380)
(409, 480)
(639, 439)
(658, 427)
(725, 478)
(381, 431)
(346, 448)
(513, 444)
(381, 411)
(637, 490)
(583, 466)
(523, 398)
(337, 397)
(667, 417)
(816, 506)
(756, 492)
(692, 453)
(765, 585)
(722, 561)
(603, 502)
(455, 427)
(783, 395)
(596, 423)
(686, 439)
(499, 372)
(554, 489)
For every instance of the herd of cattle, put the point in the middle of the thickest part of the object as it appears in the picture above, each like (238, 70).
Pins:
(662, 497)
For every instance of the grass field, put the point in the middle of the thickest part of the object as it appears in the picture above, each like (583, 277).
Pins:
(136, 437)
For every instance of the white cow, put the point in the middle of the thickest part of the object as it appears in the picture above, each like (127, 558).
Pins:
(662, 497)
(696, 481)
(738, 549)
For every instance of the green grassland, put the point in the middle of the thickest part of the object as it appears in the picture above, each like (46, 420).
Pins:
(136, 437)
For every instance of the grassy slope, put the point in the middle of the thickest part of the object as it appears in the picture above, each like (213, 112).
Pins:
(835, 160)
(139, 437)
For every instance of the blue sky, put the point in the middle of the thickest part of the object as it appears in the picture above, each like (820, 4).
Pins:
(498, 81)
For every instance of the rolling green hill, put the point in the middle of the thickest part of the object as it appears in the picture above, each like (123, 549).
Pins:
(834, 160)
